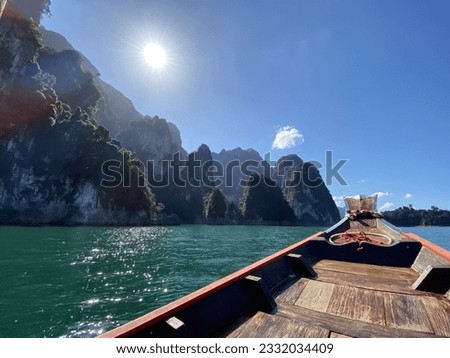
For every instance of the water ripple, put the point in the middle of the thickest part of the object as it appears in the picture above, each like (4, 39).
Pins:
(80, 282)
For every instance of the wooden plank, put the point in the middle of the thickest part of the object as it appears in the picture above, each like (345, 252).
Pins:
(438, 309)
(315, 332)
(349, 327)
(264, 325)
(363, 223)
(358, 304)
(406, 312)
(260, 293)
(338, 335)
(302, 265)
(426, 258)
(434, 279)
(316, 295)
(177, 328)
(235, 329)
(324, 274)
(292, 293)
(248, 326)
(370, 283)
(367, 270)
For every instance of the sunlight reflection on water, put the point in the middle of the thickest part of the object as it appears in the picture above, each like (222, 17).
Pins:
(80, 282)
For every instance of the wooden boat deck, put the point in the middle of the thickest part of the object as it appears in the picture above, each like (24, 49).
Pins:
(352, 300)
(318, 288)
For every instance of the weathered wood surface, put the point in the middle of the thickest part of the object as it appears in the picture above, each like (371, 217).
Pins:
(357, 304)
(363, 223)
(406, 312)
(316, 295)
(367, 283)
(380, 278)
(386, 272)
(338, 335)
(342, 325)
(438, 310)
(291, 294)
(427, 258)
(264, 325)
(336, 299)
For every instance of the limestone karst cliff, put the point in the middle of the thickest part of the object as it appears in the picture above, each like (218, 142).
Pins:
(306, 192)
(51, 152)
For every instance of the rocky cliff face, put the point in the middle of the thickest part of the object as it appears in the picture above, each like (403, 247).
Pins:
(301, 184)
(233, 178)
(151, 138)
(263, 202)
(51, 153)
(25, 91)
(306, 192)
(185, 186)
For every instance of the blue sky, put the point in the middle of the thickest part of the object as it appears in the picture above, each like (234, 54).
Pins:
(368, 80)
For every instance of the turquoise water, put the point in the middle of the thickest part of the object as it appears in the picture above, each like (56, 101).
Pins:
(79, 282)
(438, 235)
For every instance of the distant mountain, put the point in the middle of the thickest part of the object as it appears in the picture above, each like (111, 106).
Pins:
(301, 184)
(263, 202)
(232, 179)
(306, 192)
(59, 43)
(185, 185)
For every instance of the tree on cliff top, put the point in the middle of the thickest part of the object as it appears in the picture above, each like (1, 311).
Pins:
(31, 8)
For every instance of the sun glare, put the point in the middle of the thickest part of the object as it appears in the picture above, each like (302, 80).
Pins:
(155, 55)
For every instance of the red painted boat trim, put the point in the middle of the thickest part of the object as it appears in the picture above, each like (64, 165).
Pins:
(173, 308)
(429, 245)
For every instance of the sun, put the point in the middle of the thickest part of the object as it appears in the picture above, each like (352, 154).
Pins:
(155, 55)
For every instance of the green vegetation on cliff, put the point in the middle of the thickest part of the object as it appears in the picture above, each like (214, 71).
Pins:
(31, 8)
(263, 201)
(214, 205)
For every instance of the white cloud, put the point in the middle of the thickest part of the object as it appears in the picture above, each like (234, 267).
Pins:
(386, 206)
(362, 181)
(408, 196)
(287, 137)
(382, 194)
